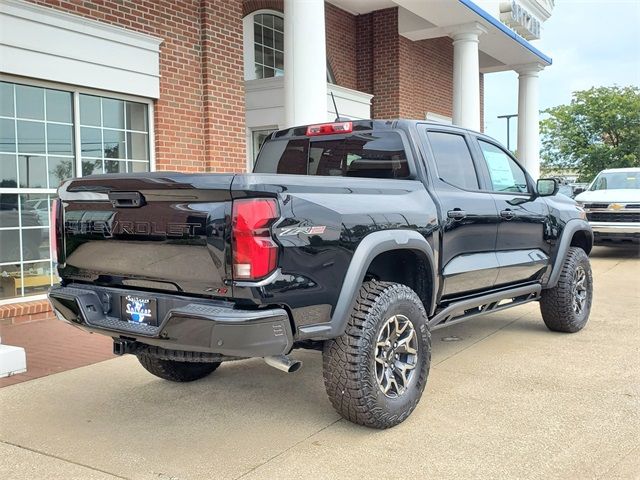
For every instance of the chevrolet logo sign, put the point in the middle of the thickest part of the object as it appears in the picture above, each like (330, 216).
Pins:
(616, 206)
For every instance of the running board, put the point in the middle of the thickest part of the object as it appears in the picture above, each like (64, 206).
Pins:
(465, 309)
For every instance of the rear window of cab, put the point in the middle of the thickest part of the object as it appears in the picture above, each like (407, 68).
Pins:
(363, 154)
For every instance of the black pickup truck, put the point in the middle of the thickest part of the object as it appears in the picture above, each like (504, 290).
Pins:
(354, 238)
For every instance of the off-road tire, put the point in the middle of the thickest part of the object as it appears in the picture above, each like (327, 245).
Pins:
(176, 371)
(349, 360)
(556, 304)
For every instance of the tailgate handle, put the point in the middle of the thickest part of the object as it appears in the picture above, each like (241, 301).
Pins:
(126, 199)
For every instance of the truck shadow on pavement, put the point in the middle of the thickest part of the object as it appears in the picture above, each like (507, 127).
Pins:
(616, 251)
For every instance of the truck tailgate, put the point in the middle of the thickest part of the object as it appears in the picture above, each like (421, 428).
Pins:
(161, 231)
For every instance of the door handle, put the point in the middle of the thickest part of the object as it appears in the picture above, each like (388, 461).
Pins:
(126, 199)
(456, 214)
(507, 214)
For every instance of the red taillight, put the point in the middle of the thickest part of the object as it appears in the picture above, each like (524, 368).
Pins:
(53, 229)
(329, 128)
(255, 254)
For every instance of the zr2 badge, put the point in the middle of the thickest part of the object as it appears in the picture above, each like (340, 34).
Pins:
(290, 231)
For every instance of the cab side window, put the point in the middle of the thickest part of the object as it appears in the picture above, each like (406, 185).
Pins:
(453, 160)
(506, 175)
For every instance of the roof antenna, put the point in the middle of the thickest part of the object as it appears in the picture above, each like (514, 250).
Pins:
(335, 107)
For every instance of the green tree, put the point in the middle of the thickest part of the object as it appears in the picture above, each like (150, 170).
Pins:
(599, 129)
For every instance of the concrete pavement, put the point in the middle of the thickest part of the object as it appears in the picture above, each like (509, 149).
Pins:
(509, 399)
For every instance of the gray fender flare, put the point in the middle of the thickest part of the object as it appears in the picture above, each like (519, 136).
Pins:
(370, 247)
(574, 225)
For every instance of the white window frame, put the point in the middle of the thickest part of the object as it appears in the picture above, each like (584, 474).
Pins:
(76, 91)
(252, 147)
(247, 35)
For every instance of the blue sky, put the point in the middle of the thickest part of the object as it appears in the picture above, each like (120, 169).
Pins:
(592, 43)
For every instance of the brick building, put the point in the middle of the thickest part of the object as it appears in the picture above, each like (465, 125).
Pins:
(93, 86)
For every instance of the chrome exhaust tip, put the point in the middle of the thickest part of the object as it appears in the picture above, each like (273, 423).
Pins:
(283, 362)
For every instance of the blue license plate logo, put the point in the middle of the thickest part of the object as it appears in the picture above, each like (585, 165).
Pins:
(138, 309)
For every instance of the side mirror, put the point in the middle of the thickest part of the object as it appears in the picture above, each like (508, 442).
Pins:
(547, 187)
(578, 191)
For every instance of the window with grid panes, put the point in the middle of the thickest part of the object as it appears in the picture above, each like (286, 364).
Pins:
(39, 147)
(268, 41)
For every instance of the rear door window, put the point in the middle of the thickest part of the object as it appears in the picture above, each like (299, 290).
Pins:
(453, 160)
(369, 155)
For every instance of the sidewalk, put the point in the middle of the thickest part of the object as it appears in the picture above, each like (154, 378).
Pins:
(53, 346)
(508, 399)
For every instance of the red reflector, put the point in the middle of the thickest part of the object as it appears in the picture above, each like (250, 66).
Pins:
(255, 254)
(329, 128)
(53, 232)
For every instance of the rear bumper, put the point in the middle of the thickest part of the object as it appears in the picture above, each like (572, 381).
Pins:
(184, 323)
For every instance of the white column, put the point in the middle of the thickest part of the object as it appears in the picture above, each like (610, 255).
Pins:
(528, 119)
(305, 62)
(466, 76)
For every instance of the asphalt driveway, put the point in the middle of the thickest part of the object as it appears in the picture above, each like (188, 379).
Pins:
(505, 399)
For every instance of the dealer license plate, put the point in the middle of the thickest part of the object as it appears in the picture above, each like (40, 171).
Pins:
(139, 309)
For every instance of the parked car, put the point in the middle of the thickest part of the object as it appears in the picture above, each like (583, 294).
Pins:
(41, 208)
(357, 239)
(566, 190)
(612, 205)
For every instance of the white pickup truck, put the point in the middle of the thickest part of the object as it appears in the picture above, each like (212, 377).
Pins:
(612, 204)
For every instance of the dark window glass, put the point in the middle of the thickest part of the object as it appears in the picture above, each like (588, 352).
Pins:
(137, 116)
(283, 156)
(91, 145)
(453, 160)
(506, 175)
(8, 171)
(32, 170)
(6, 99)
(9, 216)
(90, 110)
(10, 240)
(7, 135)
(267, 37)
(35, 211)
(278, 23)
(112, 113)
(91, 167)
(259, 72)
(257, 31)
(113, 144)
(59, 139)
(30, 102)
(137, 146)
(370, 155)
(115, 166)
(279, 58)
(269, 57)
(279, 41)
(31, 137)
(258, 53)
(58, 106)
(60, 168)
(616, 181)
